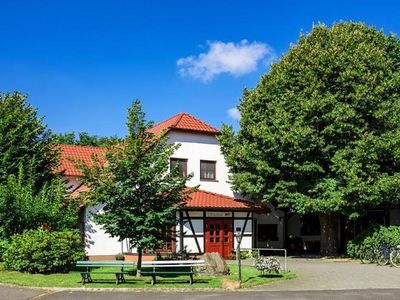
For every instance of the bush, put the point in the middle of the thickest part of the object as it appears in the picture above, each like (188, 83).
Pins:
(373, 238)
(4, 244)
(267, 264)
(41, 251)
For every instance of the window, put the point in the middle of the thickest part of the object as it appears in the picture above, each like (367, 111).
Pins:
(207, 170)
(181, 164)
(267, 232)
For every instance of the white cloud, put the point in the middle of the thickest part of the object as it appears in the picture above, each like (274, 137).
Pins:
(234, 113)
(232, 58)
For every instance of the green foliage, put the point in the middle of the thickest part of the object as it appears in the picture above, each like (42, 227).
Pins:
(320, 133)
(22, 208)
(137, 194)
(174, 255)
(41, 251)
(83, 138)
(4, 244)
(24, 141)
(373, 238)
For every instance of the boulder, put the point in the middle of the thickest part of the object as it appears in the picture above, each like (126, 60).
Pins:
(214, 264)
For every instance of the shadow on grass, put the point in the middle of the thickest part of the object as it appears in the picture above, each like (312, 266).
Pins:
(170, 280)
(263, 276)
(147, 282)
(109, 281)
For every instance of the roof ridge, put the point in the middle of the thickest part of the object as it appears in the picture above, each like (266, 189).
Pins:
(166, 120)
(180, 118)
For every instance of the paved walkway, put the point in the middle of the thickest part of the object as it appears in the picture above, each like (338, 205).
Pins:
(328, 274)
(317, 279)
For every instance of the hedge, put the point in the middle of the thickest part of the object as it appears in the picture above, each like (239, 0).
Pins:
(41, 251)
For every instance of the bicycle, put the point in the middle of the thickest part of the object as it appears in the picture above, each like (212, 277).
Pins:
(368, 255)
(395, 257)
(381, 256)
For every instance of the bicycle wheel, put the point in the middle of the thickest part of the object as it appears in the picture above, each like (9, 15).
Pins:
(382, 259)
(366, 256)
(383, 255)
(395, 258)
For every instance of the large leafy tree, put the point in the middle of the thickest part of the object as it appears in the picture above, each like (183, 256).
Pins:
(320, 133)
(24, 141)
(139, 197)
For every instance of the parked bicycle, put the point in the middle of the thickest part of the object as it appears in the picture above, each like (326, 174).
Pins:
(384, 255)
(381, 256)
(395, 257)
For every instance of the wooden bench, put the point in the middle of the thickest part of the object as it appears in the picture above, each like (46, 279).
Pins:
(165, 268)
(90, 265)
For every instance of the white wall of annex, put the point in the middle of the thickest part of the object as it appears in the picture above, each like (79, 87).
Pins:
(97, 241)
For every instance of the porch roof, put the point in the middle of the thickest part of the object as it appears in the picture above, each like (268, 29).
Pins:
(201, 199)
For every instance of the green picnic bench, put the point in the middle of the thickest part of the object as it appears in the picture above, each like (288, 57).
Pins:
(88, 267)
(168, 268)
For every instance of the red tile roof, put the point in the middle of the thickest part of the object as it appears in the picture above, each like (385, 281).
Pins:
(183, 122)
(205, 199)
(77, 152)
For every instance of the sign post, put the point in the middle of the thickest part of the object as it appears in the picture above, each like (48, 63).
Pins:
(238, 236)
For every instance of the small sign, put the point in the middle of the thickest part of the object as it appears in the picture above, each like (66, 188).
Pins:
(219, 214)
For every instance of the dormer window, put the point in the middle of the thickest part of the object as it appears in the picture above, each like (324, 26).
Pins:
(207, 170)
(181, 164)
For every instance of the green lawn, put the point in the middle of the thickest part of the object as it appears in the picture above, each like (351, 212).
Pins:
(250, 277)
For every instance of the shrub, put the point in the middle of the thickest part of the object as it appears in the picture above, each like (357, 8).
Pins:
(119, 256)
(174, 255)
(41, 251)
(373, 238)
(4, 244)
(267, 264)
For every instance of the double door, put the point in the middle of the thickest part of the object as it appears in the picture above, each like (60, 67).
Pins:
(219, 236)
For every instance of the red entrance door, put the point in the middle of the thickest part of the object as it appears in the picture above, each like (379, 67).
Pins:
(219, 236)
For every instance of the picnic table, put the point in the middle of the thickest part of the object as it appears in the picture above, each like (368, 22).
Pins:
(166, 268)
(89, 267)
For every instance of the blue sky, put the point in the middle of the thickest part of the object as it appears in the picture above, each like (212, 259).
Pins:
(82, 62)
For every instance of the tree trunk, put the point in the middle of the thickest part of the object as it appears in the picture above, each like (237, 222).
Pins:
(329, 234)
(139, 262)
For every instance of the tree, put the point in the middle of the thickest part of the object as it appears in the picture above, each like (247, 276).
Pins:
(32, 193)
(21, 208)
(83, 138)
(320, 133)
(24, 140)
(139, 196)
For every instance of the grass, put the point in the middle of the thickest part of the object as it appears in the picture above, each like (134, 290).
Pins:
(250, 277)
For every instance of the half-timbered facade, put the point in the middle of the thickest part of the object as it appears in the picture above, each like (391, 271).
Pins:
(213, 214)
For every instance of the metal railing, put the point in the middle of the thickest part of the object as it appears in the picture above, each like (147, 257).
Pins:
(269, 249)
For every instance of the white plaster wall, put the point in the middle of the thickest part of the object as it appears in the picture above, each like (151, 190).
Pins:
(97, 241)
(191, 246)
(196, 147)
(238, 224)
(197, 226)
(247, 243)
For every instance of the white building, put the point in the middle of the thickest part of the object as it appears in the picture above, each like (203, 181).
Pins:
(214, 213)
